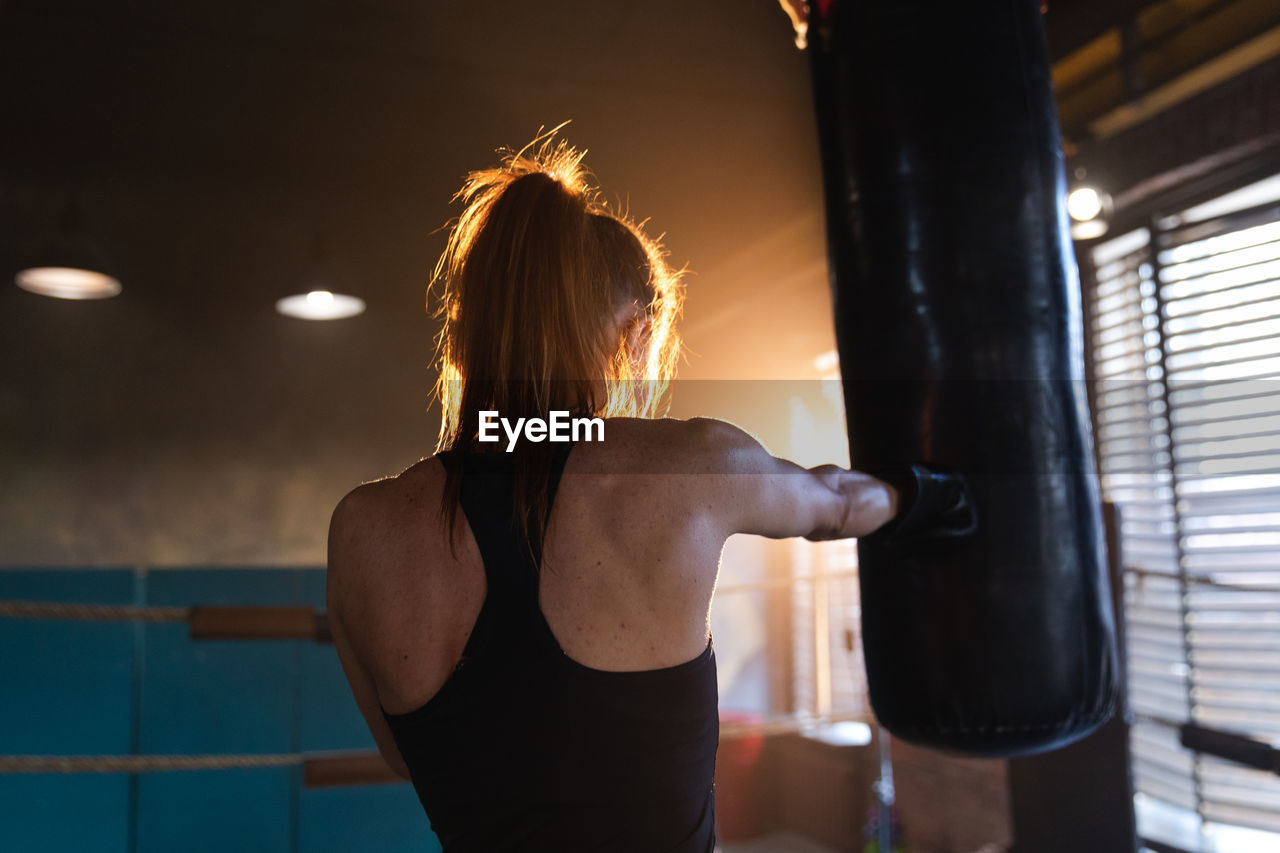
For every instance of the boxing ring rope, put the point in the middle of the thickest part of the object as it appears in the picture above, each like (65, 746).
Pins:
(326, 770)
(329, 769)
(253, 622)
(206, 622)
(139, 763)
(91, 612)
(320, 770)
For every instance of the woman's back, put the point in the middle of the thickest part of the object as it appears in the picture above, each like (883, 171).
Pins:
(594, 727)
(558, 731)
(628, 574)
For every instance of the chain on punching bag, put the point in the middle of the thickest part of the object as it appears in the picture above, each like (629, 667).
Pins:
(960, 335)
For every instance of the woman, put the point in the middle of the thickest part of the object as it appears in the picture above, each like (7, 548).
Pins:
(540, 664)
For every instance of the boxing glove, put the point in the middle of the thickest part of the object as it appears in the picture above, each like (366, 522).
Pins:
(932, 504)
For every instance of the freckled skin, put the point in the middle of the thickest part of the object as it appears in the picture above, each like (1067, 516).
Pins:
(631, 556)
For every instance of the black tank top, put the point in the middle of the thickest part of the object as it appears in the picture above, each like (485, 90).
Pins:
(524, 748)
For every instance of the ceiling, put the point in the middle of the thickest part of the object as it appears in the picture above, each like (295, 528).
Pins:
(226, 153)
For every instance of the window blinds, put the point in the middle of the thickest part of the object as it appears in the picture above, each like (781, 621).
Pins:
(1185, 338)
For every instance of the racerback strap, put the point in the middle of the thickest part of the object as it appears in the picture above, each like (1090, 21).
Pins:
(511, 614)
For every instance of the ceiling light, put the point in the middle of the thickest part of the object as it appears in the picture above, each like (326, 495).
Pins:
(72, 266)
(1084, 203)
(68, 282)
(1089, 208)
(320, 305)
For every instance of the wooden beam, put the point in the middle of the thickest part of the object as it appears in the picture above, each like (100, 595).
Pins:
(1073, 24)
(258, 623)
(344, 769)
(1253, 52)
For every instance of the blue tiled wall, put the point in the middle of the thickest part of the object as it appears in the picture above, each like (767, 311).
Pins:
(115, 688)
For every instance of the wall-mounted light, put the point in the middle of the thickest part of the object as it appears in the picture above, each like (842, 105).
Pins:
(1089, 209)
(320, 305)
(73, 267)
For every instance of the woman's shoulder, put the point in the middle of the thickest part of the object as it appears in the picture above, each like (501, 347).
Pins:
(373, 511)
(413, 480)
(669, 445)
(668, 429)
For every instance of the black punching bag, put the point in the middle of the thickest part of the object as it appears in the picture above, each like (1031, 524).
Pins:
(959, 326)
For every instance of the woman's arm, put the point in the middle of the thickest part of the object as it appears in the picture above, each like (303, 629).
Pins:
(756, 492)
(345, 555)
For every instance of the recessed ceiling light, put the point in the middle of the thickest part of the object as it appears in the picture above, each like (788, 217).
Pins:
(68, 283)
(320, 305)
